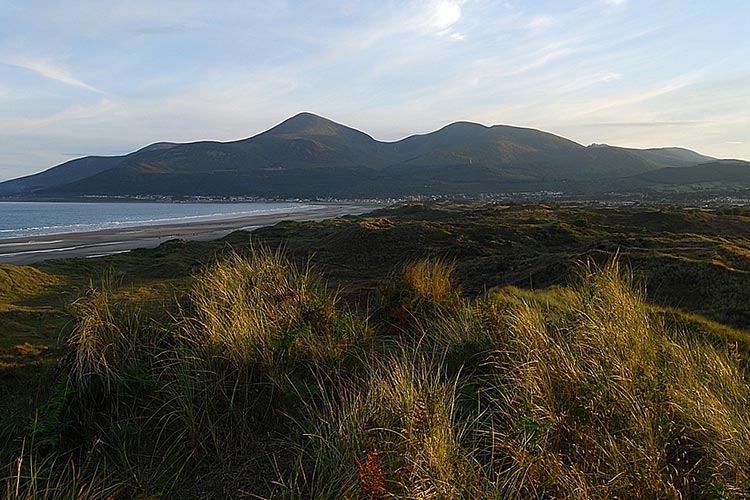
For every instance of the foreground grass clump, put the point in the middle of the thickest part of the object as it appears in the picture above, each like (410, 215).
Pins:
(584, 394)
(418, 291)
(50, 479)
(109, 337)
(576, 407)
(255, 334)
(263, 309)
(393, 433)
(259, 382)
(160, 391)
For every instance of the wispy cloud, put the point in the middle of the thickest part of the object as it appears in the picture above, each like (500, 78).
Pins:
(612, 71)
(49, 70)
(672, 123)
(79, 113)
(612, 102)
(610, 76)
(540, 22)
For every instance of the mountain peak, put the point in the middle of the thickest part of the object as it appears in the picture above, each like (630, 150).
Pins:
(157, 146)
(308, 124)
(464, 125)
(308, 155)
(307, 117)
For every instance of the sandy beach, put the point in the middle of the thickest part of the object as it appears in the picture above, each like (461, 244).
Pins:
(27, 250)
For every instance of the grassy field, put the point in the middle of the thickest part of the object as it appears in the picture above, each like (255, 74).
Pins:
(422, 351)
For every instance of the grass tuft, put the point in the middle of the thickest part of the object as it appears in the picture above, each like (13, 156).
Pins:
(261, 380)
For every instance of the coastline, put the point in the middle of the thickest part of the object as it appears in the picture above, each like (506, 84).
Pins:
(28, 250)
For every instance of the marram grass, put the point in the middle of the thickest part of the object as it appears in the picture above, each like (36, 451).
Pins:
(263, 383)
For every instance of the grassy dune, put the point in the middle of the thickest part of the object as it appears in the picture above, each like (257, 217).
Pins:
(262, 382)
(258, 375)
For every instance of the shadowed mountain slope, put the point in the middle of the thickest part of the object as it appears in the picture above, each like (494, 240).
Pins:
(719, 174)
(310, 156)
(664, 157)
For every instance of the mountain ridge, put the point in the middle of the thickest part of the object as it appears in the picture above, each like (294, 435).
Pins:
(307, 155)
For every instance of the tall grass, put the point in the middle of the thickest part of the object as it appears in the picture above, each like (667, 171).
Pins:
(573, 406)
(580, 393)
(264, 381)
(262, 309)
(257, 331)
(418, 291)
(50, 478)
(590, 407)
(105, 339)
(430, 279)
(710, 429)
(391, 433)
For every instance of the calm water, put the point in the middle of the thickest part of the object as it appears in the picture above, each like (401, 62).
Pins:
(19, 219)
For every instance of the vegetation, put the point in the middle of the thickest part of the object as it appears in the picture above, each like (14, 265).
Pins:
(256, 376)
(309, 156)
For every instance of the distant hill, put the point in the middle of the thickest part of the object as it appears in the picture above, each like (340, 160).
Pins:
(665, 157)
(673, 157)
(714, 175)
(311, 156)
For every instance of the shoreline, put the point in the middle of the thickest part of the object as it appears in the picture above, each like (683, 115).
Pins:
(28, 250)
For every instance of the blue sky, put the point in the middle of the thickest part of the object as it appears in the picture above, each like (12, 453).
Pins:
(91, 77)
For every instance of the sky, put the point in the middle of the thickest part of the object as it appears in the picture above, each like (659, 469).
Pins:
(88, 77)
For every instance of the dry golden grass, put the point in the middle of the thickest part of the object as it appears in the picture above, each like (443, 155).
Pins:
(584, 392)
(581, 393)
(106, 338)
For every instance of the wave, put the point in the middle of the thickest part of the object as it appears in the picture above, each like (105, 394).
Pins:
(122, 221)
(23, 243)
(214, 216)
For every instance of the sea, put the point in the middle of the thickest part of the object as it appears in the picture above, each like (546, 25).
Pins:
(29, 219)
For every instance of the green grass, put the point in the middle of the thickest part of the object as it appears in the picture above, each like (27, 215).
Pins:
(50, 479)
(29, 311)
(22, 282)
(416, 362)
(586, 396)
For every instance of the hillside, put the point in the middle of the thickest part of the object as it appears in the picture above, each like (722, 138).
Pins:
(664, 157)
(421, 351)
(715, 175)
(310, 156)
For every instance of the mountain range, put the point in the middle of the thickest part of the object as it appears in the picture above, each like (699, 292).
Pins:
(310, 156)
